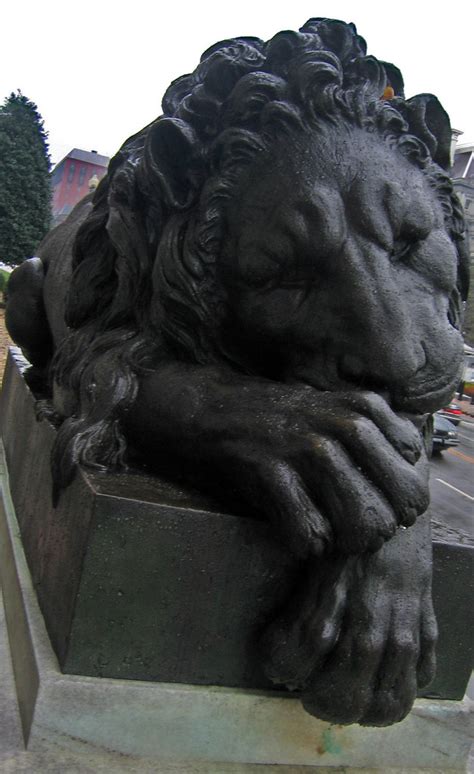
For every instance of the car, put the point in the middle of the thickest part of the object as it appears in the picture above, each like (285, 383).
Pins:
(451, 412)
(444, 435)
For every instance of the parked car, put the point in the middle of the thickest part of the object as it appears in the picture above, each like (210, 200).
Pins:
(451, 412)
(444, 435)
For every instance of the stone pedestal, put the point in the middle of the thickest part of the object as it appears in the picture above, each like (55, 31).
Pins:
(138, 578)
(209, 726)
(142, 580)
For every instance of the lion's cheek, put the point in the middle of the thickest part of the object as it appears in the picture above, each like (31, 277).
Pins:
(434, 262)
(282, 316)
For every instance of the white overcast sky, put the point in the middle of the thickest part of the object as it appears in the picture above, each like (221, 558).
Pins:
(97, 70)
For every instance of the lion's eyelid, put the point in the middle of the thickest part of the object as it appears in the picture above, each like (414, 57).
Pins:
(402, 249)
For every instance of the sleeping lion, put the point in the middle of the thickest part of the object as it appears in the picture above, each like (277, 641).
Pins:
(265, 294)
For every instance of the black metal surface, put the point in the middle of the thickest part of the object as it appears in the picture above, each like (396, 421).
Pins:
(263, 298)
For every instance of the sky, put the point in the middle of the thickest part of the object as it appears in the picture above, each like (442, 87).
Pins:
(97, 70)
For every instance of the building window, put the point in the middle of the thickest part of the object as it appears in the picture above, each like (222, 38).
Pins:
(57, 175)
(82, 174)
(72, 170)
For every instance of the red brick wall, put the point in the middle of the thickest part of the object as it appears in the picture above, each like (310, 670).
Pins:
(71, 183)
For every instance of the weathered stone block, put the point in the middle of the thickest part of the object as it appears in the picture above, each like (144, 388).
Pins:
(138, 578)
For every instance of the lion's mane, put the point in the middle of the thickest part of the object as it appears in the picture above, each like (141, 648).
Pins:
(145, 283)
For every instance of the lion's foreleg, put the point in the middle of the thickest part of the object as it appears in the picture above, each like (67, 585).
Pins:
(360, 639)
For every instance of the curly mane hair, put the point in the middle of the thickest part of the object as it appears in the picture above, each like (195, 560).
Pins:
(144, 284)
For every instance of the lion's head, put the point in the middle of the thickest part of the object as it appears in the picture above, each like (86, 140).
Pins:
(281, 212)
(340, 271)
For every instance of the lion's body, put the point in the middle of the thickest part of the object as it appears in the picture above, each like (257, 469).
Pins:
(56, 255)
(36, 318)
(267, 291)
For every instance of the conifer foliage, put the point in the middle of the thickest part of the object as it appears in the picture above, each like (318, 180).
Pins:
(25, 190)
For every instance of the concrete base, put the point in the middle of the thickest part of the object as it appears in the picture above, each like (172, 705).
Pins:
(194, 726)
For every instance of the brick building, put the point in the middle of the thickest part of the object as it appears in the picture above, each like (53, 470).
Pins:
(71, 179)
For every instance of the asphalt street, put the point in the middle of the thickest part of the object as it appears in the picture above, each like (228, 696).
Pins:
(452, 482)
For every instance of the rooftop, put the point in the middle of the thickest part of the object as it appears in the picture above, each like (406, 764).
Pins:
(90, 157)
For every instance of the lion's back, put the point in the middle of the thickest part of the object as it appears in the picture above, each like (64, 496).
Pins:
(38, 288)
(56, 253)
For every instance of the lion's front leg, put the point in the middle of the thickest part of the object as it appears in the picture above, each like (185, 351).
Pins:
(335, 474)
(361, 639)
(328, 470)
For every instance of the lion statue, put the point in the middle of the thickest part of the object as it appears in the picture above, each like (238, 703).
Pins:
(264, 294)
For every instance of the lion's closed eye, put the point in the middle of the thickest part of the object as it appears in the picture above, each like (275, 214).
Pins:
(403, 249)
(408, 240)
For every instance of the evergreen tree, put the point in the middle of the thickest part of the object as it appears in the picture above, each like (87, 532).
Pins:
(25, 190)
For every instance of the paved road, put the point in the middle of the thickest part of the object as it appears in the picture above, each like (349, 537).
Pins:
(452, 482)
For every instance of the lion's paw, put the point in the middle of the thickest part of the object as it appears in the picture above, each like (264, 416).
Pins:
(308, 629)
(372, 675)
(358, 636)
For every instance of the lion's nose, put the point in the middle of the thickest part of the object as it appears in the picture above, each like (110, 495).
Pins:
(408, 358)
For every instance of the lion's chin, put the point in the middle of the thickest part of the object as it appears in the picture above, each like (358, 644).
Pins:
(425, 402)
(426, 394)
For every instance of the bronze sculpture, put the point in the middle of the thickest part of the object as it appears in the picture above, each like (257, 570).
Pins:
(265, 293)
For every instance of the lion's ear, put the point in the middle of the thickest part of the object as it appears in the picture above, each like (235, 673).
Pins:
(429, 121)
(172, 161)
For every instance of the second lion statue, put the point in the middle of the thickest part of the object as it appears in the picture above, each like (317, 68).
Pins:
(265, 295)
